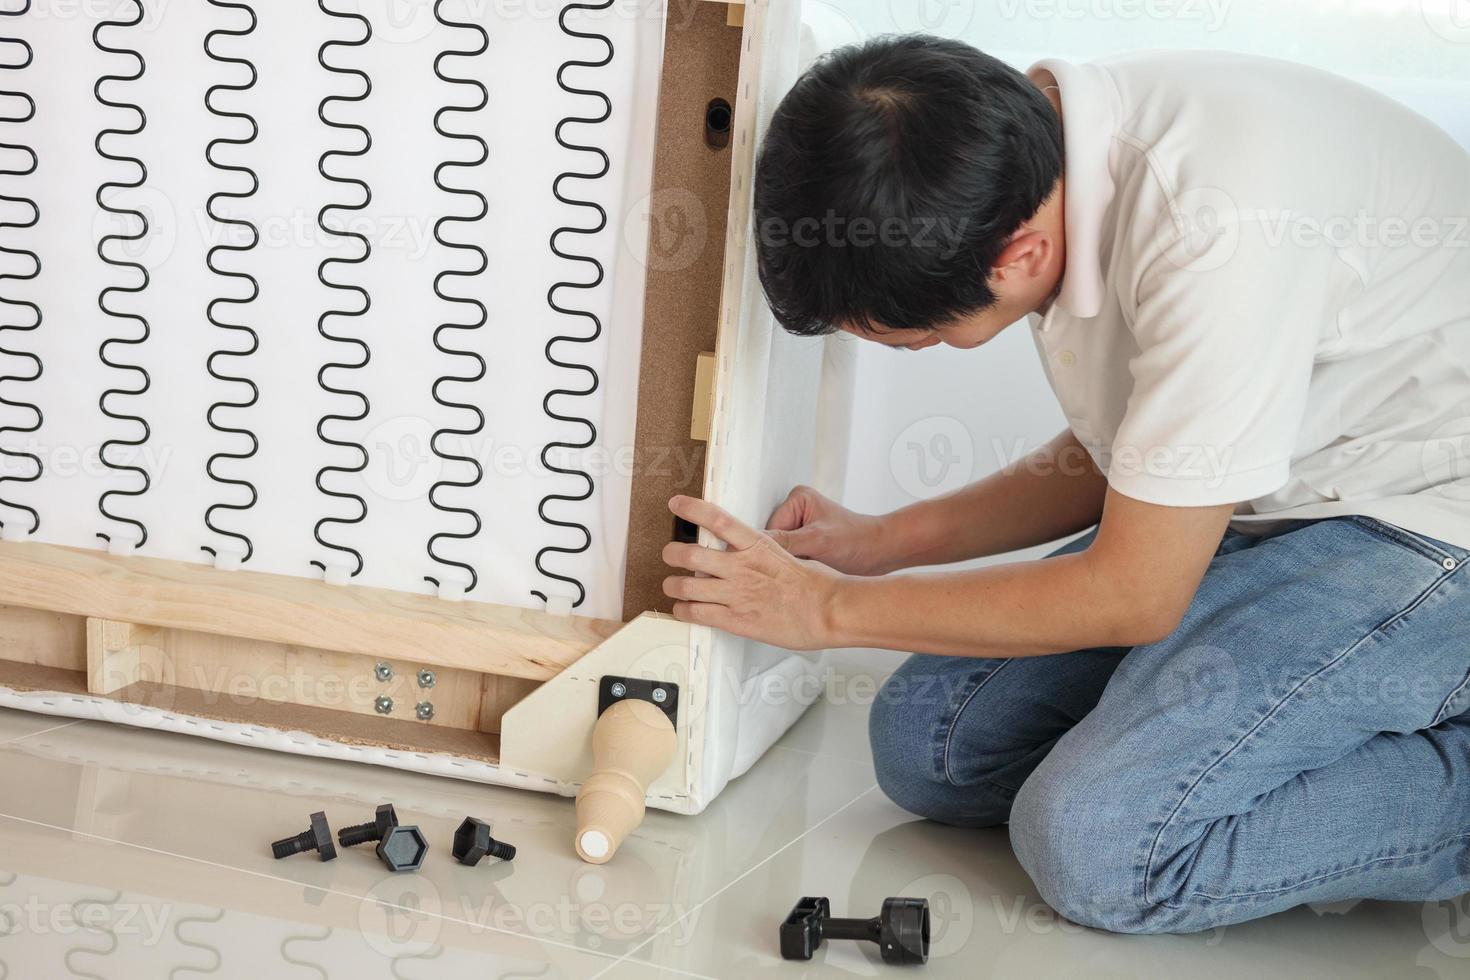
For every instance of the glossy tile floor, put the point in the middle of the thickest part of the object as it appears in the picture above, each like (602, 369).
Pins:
(130, 853)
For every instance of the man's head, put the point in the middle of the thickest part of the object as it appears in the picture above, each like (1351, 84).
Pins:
(909, 191)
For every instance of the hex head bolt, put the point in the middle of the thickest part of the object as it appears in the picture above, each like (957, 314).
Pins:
(364, 833)
(472, 841)
(403, 849)
(901, 929)
(317, 838)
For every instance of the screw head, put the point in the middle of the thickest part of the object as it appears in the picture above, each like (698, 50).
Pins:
(321, 836)
(424, 710)
(383, 705)
(385, 818)
(472, 842)
(383, 671)
(426, 678)
(660, 695)
(403, 849)
(619, 689)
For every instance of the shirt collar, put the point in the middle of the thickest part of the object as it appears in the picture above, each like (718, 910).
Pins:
(1088, 124)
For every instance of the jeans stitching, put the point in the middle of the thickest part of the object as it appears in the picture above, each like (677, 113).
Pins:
(1407, 539)
(955, 720)
(1444, 709)
(1254, 729)
(1242, 896)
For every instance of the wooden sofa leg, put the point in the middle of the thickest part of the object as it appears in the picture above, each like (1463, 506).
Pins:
(632, 743)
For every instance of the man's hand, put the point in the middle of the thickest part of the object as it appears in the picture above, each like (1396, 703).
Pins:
(811, 526)
(755, 589)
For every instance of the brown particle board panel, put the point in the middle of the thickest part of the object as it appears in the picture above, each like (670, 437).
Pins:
(688, 211)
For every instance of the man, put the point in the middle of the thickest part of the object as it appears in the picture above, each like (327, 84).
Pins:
(1249, 283)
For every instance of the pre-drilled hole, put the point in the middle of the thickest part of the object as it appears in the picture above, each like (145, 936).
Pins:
(718, 118)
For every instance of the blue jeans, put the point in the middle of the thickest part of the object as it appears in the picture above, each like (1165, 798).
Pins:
(1303, 736)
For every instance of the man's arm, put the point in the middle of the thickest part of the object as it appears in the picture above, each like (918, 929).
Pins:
(1132, 586)
(1053, 492)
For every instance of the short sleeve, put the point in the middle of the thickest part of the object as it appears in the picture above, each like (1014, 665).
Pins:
(1227, 332)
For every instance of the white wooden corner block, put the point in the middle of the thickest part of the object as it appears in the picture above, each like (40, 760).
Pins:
(549, 732)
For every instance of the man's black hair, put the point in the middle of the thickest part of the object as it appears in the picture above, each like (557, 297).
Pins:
(891, 177)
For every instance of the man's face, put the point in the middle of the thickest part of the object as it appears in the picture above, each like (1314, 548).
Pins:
(963, 332)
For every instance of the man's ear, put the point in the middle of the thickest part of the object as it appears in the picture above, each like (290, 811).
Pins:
(1024, 257)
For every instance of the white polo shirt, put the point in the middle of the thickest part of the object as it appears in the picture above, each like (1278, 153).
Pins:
(1266, 299)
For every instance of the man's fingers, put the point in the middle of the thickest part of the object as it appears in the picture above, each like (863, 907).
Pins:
(695, 558)
(715, 520)
(692, 589)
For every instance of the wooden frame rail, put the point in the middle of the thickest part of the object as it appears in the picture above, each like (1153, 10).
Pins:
(503, 640)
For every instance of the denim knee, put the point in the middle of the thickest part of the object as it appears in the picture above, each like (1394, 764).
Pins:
(908, 728)
(1079, 847)
(1087, 849)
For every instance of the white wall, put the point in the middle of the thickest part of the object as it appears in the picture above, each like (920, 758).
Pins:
(929, 420)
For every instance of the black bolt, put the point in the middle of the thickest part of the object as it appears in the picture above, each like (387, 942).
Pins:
(901, 930)
(318, 838)
(472, 841)
(403, 849)
(363, 833)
